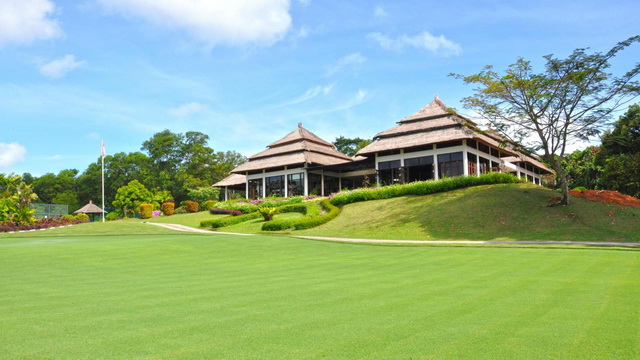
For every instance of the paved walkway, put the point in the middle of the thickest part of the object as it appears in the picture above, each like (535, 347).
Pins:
(419, 242)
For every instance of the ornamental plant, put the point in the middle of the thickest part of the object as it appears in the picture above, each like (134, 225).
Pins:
(168, 208)
(146, 211)
(191, 206)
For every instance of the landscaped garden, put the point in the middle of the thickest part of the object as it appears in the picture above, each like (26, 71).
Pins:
(127, 290)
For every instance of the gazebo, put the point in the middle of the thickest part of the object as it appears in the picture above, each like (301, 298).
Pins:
(90, 209)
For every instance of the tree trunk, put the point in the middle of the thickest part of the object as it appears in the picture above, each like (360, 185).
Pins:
(561, 176)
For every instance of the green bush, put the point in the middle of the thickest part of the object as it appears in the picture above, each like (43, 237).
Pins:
(180, 210)
(230, 220)
(580, 188)
(82, 217)
(309, 222)
(146, 211)
(111, 216)
(207, 205)
(421, 188)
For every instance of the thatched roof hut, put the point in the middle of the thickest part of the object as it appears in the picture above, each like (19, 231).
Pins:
(297, 148)
(90, 208)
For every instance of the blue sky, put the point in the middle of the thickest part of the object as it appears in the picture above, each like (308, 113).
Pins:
(245, 72)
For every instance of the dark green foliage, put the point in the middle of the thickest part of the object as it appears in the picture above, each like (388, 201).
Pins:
(331, 213)
(582, 169)
(620, 155)
(349, 146)
(230, 220)
(421, 188)
(309, 209)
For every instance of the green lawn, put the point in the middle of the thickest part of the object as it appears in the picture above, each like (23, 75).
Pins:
(490, 212)
(191, 296)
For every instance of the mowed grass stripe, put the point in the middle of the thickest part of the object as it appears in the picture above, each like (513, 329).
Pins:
(196, 296)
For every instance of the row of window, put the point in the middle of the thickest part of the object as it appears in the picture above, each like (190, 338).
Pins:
(274, 186)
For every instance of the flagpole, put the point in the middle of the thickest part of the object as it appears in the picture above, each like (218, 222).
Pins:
(102, 180)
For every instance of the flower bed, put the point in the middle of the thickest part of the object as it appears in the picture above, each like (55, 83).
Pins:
(9, 226)
(607, 197)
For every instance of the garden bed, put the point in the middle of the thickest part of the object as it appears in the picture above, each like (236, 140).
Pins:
(607, 197)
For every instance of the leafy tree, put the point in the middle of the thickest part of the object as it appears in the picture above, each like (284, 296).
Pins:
(620, 155)
(350, 146)
(571, 100)
(582, 169)
(204, 193)
(15, 200)
(129, 197)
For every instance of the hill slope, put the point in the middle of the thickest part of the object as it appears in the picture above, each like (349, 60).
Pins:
(491, 212)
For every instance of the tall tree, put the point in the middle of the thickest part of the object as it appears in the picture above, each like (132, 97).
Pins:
(571, 100)
(620, 155)
(350, 146)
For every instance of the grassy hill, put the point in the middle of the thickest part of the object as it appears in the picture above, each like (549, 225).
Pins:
(490, 212)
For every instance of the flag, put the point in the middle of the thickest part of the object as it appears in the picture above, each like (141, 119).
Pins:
(103, 149)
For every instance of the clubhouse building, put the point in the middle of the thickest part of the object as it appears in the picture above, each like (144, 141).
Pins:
(433, 143)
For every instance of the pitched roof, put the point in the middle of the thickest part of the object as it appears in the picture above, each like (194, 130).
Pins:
(231, 180)
(298, 147)
(90, 208)
(435, 109)
(300, 134)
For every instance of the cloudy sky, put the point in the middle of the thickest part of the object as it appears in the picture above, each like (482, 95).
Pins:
(245, 72)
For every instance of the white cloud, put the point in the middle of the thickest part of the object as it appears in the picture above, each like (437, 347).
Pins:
(379, 12)
(435, 44)
(24, 21)
(308, 95)
(346, 61)
(11, 154)
(187, 110)
(235, 22)
(59, 68)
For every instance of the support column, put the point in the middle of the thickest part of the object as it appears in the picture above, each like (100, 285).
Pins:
(465, 160)
(306, 182)
(321, 182)
(435, 163)
(226, 193)
(246, 185)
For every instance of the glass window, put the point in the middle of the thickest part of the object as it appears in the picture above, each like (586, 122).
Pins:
(418, 169)
(389, 172)
(255, 188)
(275, 185)
(483, 147)
(295, 184)
(472, 144)
(485, 165)
(450, 165)
(473, 166)
(495, 152)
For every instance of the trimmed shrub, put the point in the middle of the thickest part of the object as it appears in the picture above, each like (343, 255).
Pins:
(308, 222)
(207, 205)
(421, 188)
(580, 188)
(111, 216)
(216, 211)
(229, 220)
(146, 211)
(43, 223)
(313, 217)
(168, 208)
(191, 206)
(82, 217)
(180, 210)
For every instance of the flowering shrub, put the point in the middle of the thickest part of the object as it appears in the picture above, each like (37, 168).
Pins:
(215, 211)
(41, 224)
(156, 213)
(168, 208)
(191, 206)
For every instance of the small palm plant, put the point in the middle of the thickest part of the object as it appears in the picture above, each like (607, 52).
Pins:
(268, 212)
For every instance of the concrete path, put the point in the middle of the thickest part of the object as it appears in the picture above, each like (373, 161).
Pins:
(418, 242)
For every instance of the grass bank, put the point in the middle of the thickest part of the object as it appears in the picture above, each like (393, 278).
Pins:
(489, 212)
(194, 296)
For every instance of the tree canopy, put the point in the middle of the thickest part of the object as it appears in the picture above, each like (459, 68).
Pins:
(350, 146)
(573, 99)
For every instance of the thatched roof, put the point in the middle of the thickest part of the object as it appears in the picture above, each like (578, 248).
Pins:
(232, 180)
(435, 123)
(299, 147)
(90, 208)
(529, 159)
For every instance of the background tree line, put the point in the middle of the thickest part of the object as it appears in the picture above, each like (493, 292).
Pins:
(168, 162)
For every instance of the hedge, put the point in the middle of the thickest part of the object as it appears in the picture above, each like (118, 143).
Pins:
(421, 188)
(192, 206)
(229, 220)
(313, 217)
(168, 208)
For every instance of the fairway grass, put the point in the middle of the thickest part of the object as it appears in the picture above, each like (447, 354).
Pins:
(191, 296)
